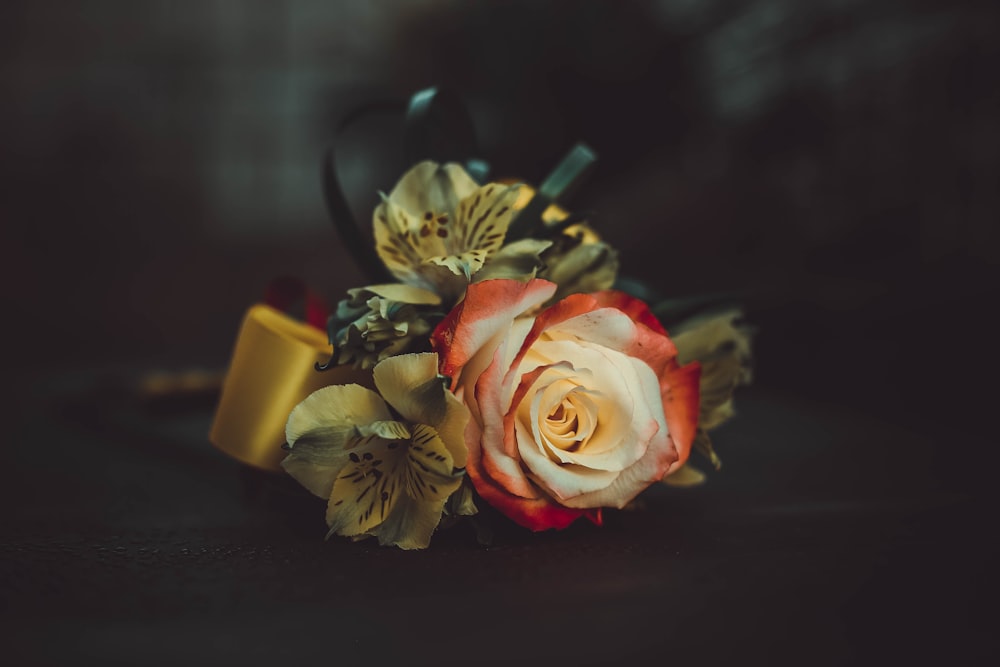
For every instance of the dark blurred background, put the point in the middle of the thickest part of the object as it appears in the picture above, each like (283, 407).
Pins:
(836, 162)
(837, 159)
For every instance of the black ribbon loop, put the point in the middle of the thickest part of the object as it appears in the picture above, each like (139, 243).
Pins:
(437, 126)
(359, 244)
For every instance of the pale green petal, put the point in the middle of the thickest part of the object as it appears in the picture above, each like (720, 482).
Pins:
(483, 218)
(429, 481)
(402, 293)
(520, 260)
(703, 445)
(394, 491)
(387, 430)
(462, 502)
(721, 344)
(395, 242)
(332, 410)
(371, 325)
(580, 268)
(464, 264)
(322, 429)
(371, 483)
(685, 476)
(429, 186)
(411, 385)
(443, 278)
(430, 475)
(323, 445)
(411, 524)
(452, 427)
(317, 479)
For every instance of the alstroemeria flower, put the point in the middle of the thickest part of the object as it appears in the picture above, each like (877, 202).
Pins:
(438, 227)
(721, 344)
(385, 472)
(380, 321)
(579, 407)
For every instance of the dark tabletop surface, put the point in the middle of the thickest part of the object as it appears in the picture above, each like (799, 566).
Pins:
(831, 536)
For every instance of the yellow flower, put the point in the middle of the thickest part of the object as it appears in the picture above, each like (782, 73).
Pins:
(385, 469)
(721, 343)
(437, 228)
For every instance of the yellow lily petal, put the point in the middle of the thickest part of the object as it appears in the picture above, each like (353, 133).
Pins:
(321, 429)
(395, 491)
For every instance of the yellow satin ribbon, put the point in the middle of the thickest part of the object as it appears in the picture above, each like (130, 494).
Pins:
(272, 371)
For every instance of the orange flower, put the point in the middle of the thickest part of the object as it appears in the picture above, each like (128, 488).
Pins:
(579, 407)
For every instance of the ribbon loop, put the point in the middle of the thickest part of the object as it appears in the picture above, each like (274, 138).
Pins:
(439, 127)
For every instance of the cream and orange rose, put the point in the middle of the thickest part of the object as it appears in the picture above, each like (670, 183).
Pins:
(577, 407)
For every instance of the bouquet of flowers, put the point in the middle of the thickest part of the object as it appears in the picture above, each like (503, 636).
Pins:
(498, 366)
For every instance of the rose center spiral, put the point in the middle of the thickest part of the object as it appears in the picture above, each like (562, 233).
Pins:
(569, 421)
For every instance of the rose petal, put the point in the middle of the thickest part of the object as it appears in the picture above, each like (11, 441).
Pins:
(679, 386)
(625, 423)
(562, 481)
(535, 514)
(633, 480)
(502, 462)
(631, 306)
(571, 306)
(614, 329)
(488, 309)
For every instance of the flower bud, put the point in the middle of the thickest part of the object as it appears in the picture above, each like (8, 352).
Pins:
(380, 321)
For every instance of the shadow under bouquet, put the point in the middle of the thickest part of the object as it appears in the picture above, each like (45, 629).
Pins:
(496, 363)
